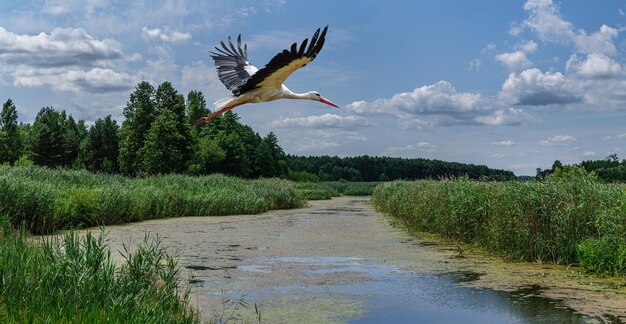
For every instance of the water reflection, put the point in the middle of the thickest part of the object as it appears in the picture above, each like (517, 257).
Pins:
(397, 296)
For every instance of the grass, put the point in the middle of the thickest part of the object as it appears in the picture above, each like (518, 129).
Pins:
(46, 200)
(327, 190)
(73, 280)
(566, 221)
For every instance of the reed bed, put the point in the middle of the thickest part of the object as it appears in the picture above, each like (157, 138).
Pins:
(564, 221)
(327, 190)
(72, 279)
(45, 200)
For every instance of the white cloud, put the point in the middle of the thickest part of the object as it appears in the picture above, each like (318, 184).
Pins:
(420, 146)
(62, 47)
(66, 59)
(444, 102)
(165, 35)
(315, 145)
(200, 76)
(589, 154)
(474, 65)
(517, 60)
(96, 80)
(535, 88)
(595, 66)
(612, 137)
(325, 120)
(503, 143)
(558, 140)
(514, 61)
(506, 116)
(545, 19)
(424, 146)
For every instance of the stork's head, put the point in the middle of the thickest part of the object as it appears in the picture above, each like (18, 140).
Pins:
(314, 95)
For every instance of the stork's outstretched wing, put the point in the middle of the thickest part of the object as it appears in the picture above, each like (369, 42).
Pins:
(286, 62)
(233, 67)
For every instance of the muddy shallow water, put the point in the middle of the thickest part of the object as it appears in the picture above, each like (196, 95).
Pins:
(340, 261)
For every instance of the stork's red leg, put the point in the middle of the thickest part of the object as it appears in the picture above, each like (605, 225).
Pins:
(215, 114)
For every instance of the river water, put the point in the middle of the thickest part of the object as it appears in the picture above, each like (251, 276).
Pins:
(339, 261)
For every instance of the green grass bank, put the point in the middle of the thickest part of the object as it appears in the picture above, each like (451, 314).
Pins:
(574, 220)
(45, 200)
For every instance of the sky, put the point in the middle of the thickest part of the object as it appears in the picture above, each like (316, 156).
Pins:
(509, 84)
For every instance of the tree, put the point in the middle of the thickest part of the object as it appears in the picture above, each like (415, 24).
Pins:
(139, 112)
(207, 156)
(73, 135)
(196, 106)
(167, 99)
(47, 136)
(264, 163)
(10, 139)
(161, 152)
(102, 146)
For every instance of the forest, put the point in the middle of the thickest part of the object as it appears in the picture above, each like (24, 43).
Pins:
(157, 136)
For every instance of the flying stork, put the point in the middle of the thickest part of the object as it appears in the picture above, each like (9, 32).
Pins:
(251, 85)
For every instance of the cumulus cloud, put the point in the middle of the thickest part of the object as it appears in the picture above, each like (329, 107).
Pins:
(167, 36)
(443, 101)
(558, 140)
(96, 80)
(503, 143)
(62, 47)
(66, 59)
(535, 88)
(594, 66)
(325, 120)
(545, 19)
(517, 60)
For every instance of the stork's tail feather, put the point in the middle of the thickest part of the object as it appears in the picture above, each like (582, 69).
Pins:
(221, 103)
(221, 106)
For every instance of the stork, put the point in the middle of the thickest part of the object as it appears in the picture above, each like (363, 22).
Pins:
(251, 85)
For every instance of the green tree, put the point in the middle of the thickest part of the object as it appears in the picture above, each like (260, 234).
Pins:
(73, 135)
(47, 138)
(140, 112)
(196, 107)
(161, 152)
(207, 156)
(168, 99)
(102, 146)
(265, 165)
(236, 159)
(10, 139)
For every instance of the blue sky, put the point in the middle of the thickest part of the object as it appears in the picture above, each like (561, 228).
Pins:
(509, 84)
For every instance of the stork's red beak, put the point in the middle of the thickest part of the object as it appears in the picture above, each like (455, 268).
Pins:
(328, 102)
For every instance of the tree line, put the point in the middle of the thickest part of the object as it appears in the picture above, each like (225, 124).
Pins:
(609, 169)
(157, 137)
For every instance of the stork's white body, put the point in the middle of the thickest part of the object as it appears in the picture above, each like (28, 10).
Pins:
(251, 85)
(264, 94)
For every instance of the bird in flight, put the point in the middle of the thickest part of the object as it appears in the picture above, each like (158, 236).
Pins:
(251, 85)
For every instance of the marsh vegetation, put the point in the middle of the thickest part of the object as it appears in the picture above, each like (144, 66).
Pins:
(565, 219)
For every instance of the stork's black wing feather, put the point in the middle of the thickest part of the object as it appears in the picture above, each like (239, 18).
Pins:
(233, 68)
(286, 62)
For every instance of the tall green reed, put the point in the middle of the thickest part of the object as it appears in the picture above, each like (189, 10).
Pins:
(558, 220)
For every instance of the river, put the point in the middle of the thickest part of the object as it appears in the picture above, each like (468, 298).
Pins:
(340, 261)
